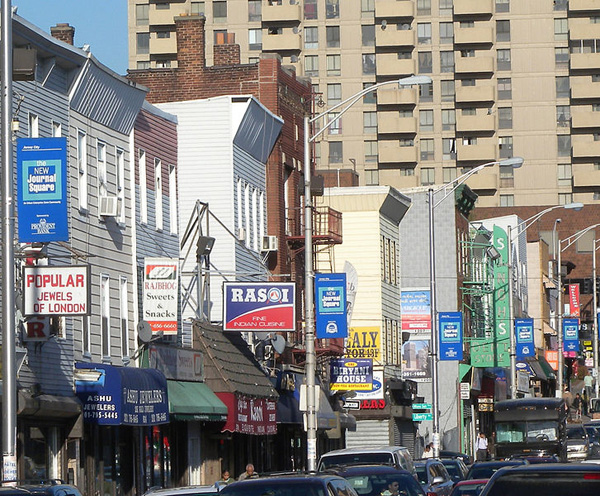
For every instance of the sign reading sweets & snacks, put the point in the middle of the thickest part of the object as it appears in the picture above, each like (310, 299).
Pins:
(161, 286)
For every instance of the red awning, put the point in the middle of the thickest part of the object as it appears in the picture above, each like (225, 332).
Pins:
(246, 415)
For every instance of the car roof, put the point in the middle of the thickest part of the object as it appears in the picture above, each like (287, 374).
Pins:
(317, 477)
(471, 482)
(183, 490)
(367, 469)
(50, 488)
(500, 463)
(550, 467)
(365, 449)
(426, 461)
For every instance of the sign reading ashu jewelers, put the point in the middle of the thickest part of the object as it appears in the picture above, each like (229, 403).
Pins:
(42, 189)
(351, 375)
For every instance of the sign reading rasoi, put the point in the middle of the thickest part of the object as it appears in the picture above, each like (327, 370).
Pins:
(364, 342)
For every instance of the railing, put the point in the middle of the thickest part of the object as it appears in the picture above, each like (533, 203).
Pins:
(326, 225)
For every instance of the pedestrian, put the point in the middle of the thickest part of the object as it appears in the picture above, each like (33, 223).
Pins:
(225, 478)
(249, 473)
(577, 404)
(481, 447)
(588, 385)
(428, 452)
(568, 397)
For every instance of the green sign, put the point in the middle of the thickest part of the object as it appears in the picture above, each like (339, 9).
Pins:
(418, 417)
(421, 406)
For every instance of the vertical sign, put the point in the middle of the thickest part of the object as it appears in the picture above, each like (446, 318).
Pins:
(574, 300)
(502, 300)
(330, 299)
(42, 190)
(524, 337)
(161, 286)
(450, 329)
(570, 334)
(415, 308)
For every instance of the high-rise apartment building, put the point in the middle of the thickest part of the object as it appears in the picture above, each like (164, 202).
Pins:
(510, 77)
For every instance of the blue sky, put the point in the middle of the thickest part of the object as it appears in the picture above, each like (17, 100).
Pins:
(102, 24)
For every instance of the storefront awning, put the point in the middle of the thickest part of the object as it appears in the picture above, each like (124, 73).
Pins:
(288, 409)
(532, 367)
(326, 417)
(121, 395)
(546, 367)
(195, 401)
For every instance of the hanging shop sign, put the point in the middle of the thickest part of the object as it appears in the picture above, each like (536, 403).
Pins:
(161, 286)
(246, 415)
(42, 190)
(377, 390)
(330, 298)
(524, 337)
(364, 342)
(574, 304)
(351, 375)
(56, 290)
(570, 334)
(451, 336)
(259, 306)
(415, 306)
(177, 363)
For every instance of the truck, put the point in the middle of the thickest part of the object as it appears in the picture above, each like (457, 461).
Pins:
(531, 427)
(594, 410)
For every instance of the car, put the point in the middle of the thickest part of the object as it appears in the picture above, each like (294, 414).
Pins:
(593, 429)
(434, 477)
(456, 468)
(395, 456)
(52, 487)
(185, 491)
(470, 487)
(456, 454)
(578, 442)
(484, 470)
(375, 480)
(549, 479)
(537, 459)
(291, 485)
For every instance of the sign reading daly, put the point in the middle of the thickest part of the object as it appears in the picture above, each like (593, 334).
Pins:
(268, 306)
(56, 290)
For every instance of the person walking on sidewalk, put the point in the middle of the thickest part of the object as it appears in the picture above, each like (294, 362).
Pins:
(577, 405)
(481, 446)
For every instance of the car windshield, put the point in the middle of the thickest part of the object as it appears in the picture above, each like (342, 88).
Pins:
(384, 484)
(422, 474)
(547, 484)
(357, 458)
(485, 471)
(576, 433)
(288, 487)
(532, 431)
(468, 490)
(452, 469)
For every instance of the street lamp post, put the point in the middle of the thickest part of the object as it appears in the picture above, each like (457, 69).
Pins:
(595, 326)
(448, 189)
(309, 320)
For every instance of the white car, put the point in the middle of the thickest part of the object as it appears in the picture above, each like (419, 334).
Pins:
(185, 491)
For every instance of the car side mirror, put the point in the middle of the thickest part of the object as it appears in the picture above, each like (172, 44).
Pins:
(437, 480)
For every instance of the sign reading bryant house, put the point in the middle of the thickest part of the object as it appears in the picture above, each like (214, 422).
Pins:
(161, 285)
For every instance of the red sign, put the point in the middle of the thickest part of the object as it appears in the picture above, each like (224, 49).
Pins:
(372, 404)
(574, 300)
(552, 358)
(255, 416)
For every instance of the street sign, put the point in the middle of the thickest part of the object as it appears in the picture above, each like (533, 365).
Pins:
(465, 390)
(352, 404)
(421, 406)
(418, 417)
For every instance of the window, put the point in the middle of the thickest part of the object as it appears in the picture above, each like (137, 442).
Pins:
(255, 39)
(505, 117)
(142, 43)
(158, 202)
(467, 82)
(120, 154)
(143, 186)
(371, 151)
(467, 24)
(564, 145)
(561, 57)
(197, 8)
(311, 38)
(565, 174)
(310, 9)
(164, 64)
(370, 122)
(82, 166)
(254, 10)
(468, 111)
(334, 94)
(336, 155)
(163, 34)
(447, 61)
(561, 29)
(334, 65)
(563, 115)
(105, 314)
(448, 119)
(34, 126)
(562, 87)
(219, 11)
(372, 177)
(141, 15)
(426, 120)
(368, 35)
(565, 198)
(367, 8)
(447, 91)
(449, 174)
(311, 65)
(502, 30)
(507, 177)
(371, 96)
(333, 36)
(449, 149)
(506, 146)
(507, 200)
(163, 6)
(424, 33)
(368, 63)
(101, 160)
(407, 172)
(332, 9)
(467, 53)
(402, 55)
(502, 5)
(503, 60)
(426, 92)
(142, 64)
(124, 315)
(469, 140)
(336, 123)
(427, 176)
(446, 32)
(445, 8)
(56, 129)
(425, 63)
(427, 149)
(504, 89)
(424, 7)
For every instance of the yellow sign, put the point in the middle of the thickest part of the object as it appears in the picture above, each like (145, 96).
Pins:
(364, 342)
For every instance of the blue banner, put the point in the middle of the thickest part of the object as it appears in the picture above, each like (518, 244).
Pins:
(451, 336)
(330, 291)
(347, 374)
(524, 337)
(42, 190)
(570, 334)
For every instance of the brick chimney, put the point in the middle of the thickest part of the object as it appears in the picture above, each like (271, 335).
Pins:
(190, 42)
(63, 32)
(226, 52)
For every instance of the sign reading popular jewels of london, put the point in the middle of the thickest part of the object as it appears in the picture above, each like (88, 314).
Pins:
(42, 190)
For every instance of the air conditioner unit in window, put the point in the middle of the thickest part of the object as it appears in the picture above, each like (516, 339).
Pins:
(241, 234)
(269, 243)
(110, 206)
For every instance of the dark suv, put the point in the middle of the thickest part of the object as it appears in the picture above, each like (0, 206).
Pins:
(376, 480)
(291, 485)
(53, 487)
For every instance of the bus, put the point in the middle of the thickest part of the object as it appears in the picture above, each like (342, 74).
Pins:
(531, 427)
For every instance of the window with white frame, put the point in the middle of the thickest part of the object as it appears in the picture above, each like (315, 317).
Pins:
(427, 176)
(446, 32)
(448, 119)
(371, 150)
(255, 39)
(255, 244)
(311, 37)
(448, 148)
(449, 174)
(447, 90)
(143, 187)
(424, 7)
(120, 157)
(427, 149)
(424, 33)
(561, 29)
(34, 126)
(240, 207)
(123, 315)
(247, 213)
(172, 199)
(446, 7)
(334, 94)
(507, 200)
(565, 198)
(426, 120)
(142, 15)
(372, 177)
(105, 314)
(370, 122)
(261, 217)
(158, 194)
(336, 126)
(311, 65)
(102, 172)
(82, 166)
(565, 174)
(367, 8)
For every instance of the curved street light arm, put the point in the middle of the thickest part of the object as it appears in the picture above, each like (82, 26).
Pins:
(574, 237)
(455, 183)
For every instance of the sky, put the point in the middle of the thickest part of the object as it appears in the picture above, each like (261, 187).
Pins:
(102, 24)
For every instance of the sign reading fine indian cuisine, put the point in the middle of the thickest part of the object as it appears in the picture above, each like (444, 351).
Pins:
(267, 306)
(351, 375)
(42, 189)
(160, 294)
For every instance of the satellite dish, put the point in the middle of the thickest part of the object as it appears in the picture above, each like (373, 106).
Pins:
(144, 331)
(262, 335)
(278, 343)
